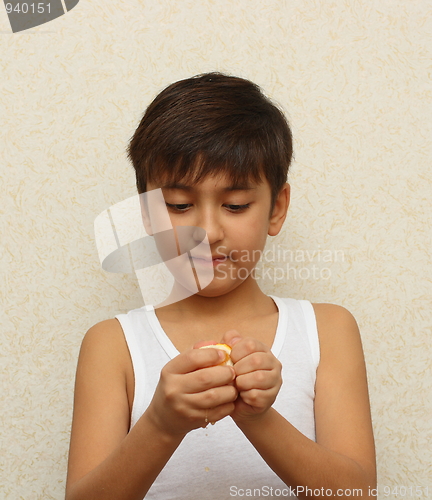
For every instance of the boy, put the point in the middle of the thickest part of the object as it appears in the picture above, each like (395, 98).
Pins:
(220, 151)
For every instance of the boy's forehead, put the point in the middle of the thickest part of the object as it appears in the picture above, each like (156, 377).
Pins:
(219, 183)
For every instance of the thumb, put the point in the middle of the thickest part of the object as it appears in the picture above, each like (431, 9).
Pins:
(231, 337)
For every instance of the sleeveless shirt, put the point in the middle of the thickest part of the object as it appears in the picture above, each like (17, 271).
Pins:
(218, 462)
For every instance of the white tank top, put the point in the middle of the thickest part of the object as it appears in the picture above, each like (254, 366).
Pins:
(218, 462)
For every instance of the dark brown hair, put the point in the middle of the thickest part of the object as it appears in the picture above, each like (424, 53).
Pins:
(212, 124)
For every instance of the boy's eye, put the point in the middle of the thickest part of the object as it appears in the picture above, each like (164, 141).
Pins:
(178, 207)
(182, 207)
(238, 208)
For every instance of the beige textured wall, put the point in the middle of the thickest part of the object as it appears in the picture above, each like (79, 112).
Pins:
(355, 80)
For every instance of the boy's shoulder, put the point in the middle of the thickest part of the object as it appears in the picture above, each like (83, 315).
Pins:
(105, 340)
(104, 343)
(332, 316)
(338, 333)
(107, 332)
(327, 315)
(332, 312)
(104, 353)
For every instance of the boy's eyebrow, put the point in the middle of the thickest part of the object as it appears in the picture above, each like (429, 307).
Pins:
(234, 187)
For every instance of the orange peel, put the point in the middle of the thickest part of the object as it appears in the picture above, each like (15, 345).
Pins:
(222, 347)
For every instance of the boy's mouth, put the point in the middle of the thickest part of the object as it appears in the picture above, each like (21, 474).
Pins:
(218, 259)
(215, 260)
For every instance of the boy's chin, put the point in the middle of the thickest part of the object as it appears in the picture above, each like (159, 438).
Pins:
(216, 288)
(213, 290)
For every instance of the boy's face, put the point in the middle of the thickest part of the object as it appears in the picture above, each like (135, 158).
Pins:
(236, 220)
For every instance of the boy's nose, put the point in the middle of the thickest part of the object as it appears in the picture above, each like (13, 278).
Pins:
(212, 226)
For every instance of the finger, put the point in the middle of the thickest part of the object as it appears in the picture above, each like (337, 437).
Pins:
(199, 415)
(231, 337)
(256, 361)
(260, 398)
(220, 412)
(256, 398)
(245, 347)
(194, 359)
(212, 415)
(214, 397)
(262, 380)
(207, 378)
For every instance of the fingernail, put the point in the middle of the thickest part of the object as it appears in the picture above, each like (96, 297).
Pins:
(235, 340)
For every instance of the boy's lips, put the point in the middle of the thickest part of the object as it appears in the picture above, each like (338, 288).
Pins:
(219, 257)
(219, 260)
(215, 259)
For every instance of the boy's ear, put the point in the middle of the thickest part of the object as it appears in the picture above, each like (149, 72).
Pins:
(280, 210)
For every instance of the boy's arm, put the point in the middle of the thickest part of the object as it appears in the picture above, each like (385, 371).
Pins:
(105, 460)
(343, 458)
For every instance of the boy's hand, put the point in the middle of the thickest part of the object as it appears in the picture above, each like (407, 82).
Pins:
(192, 389)
(258, 376)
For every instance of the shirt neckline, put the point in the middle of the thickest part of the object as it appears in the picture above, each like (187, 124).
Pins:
(172, 351)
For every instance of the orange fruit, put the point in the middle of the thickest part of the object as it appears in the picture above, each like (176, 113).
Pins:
(222, 347)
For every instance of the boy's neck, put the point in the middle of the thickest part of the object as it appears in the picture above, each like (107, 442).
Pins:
(243, 302)
(246, 309)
